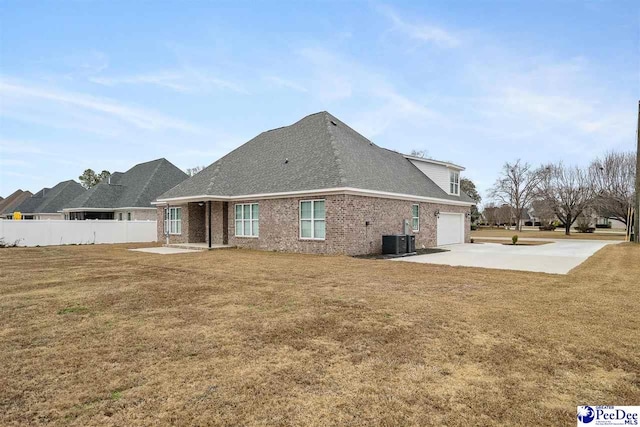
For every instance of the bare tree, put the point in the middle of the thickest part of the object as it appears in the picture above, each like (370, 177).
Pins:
(516, 187)
(194, 170)
(613, 179)
(490, 214)
(568, 190)
(419, 153)
(543, 210)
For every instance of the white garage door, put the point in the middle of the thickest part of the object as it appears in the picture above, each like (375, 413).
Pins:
(450, 228)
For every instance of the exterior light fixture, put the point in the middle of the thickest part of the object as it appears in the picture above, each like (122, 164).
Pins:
(437, 213)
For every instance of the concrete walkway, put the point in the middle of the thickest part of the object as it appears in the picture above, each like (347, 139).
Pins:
(163, 250)
(558, 257)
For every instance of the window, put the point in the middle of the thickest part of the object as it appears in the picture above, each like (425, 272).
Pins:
(120, 216)
(247, 220)
(415, 214)
(454, 182)
(128, 216)
(312, 220)
(173, 220)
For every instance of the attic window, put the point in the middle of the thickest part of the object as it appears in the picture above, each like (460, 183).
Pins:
(334, 123)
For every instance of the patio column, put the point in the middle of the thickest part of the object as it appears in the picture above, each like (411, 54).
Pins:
(209, 223)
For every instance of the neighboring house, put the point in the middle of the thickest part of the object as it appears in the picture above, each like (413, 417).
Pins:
(48, 202)
(8, 205)
(529, 218)
(316, 186)
(604, 222)
(126, 196)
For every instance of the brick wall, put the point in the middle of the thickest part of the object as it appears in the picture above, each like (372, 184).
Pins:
(193, 224)
(279, 229)
(347, 231)
(386, 216)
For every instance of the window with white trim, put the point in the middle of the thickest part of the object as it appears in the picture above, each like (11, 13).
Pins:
(415, 217)
(247, 220)
(312, 219)
(454, 182)
(173, 220)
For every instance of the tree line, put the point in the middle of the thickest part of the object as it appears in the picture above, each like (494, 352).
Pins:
(556, 191)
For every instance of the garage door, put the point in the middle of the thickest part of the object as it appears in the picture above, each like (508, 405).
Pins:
(450, 228)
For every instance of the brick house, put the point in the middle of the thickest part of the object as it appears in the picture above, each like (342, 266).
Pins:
(48, 202)
(316, 186)
(126, 196)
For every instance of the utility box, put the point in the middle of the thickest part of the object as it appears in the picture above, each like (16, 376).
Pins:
(406, 227)
(394, 244)
(411, 243)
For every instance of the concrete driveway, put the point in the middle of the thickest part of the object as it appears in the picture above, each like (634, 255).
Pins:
(558, 257)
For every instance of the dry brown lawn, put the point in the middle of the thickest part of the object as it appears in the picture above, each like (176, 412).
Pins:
(98, 335)
(501, 232)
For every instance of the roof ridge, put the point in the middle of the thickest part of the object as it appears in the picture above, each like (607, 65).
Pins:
(149, 179)
(334, 146)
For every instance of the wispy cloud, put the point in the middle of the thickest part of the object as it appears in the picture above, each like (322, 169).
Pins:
(21, 95)
(289, 84)
(421, 32)
(184, 80)
(13, 162)
(335, 78)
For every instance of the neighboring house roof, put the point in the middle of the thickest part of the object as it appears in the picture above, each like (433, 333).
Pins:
(318, 152)
(51, 200)
(137, 187)
(16, 198)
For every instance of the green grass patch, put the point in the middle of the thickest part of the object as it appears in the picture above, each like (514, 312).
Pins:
(74, 309)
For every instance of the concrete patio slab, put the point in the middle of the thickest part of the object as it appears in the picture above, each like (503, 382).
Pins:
(163, 250)
(558, 257)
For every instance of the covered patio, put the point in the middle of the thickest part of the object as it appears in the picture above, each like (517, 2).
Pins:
(197, 225)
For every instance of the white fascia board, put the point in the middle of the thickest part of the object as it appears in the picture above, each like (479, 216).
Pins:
(133, 209)
(88, 210)
(322, 191)
(435, 162)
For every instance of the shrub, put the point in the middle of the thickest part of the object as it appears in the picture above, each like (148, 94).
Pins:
(4, 244)
(474, 227)
(548, 227)
(583, 225)
(585, 228)
(514, 239)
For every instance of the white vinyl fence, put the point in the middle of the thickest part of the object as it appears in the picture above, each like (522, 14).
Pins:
(61, 232)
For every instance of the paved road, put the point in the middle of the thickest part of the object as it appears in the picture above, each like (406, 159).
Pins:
(558, 257)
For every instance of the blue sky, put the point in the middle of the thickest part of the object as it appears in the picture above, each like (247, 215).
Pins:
(106, 85)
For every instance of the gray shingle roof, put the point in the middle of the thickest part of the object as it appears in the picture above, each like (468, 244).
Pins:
(137, 187)
(317, 152)
(51, 200)
(14, 199)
